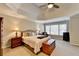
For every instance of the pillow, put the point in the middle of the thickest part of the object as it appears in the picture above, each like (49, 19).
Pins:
(26, 34)
(29, 34)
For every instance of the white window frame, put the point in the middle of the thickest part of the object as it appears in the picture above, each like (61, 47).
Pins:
(58, 27)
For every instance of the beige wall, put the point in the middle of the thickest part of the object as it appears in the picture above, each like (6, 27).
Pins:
(74, 30)
(40, 27)
(10, 23)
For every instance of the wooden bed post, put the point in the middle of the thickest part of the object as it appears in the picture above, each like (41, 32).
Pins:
(21, 34)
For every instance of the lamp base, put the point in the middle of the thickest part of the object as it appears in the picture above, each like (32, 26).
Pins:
(16, 34)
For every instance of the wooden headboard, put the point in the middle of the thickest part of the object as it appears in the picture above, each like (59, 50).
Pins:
(31, 31)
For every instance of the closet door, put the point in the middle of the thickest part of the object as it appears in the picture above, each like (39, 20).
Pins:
(0, 37)
(74, 30)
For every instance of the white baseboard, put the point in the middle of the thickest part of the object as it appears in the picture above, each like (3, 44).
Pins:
(5, 47)
(74, 44)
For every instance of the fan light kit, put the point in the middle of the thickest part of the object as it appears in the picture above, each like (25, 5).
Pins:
(50, 5)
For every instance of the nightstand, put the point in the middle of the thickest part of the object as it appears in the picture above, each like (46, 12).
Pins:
(48, 46)
(15, 42)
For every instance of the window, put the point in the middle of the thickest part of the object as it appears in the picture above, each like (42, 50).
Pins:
(54, 29)
(62, 28)
(48, 29)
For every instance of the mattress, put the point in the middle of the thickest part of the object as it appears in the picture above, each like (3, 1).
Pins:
(34, 42)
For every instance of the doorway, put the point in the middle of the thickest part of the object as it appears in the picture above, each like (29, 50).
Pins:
(1, 51)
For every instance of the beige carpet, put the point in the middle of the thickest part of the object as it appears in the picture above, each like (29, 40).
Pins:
(62, 49)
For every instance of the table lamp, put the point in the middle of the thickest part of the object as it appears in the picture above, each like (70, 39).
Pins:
(16, 30)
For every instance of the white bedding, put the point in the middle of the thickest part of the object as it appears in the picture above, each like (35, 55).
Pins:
(34, 42)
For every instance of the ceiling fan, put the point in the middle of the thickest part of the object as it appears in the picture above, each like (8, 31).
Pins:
(50, 5)
(47, 8)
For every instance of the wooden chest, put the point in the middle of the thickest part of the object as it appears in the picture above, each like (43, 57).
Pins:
(48, 47)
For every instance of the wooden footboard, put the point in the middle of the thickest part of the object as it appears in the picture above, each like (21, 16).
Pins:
(31, 49)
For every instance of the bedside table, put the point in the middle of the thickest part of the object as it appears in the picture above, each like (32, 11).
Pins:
(48, 46)
(15, 42)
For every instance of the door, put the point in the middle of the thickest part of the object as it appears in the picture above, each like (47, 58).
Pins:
(0, 37)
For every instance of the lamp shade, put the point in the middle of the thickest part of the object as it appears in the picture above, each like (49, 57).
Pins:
(16, 29)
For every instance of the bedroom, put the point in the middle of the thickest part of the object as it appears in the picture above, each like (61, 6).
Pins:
(20, 17)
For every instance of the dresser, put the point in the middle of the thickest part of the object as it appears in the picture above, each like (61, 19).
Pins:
(48, 46)
(15, 42)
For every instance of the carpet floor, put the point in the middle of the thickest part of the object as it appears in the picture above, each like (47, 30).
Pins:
(63, 48)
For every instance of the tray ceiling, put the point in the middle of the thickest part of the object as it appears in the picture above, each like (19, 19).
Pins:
(33, 10)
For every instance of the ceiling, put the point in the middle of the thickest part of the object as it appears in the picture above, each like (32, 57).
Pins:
(33, 11)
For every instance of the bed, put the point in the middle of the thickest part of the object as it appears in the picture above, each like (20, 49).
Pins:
(31, 39)
(34, 42)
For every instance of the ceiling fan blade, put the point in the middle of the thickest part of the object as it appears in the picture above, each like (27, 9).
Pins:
(43, 5)
(56, 6)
